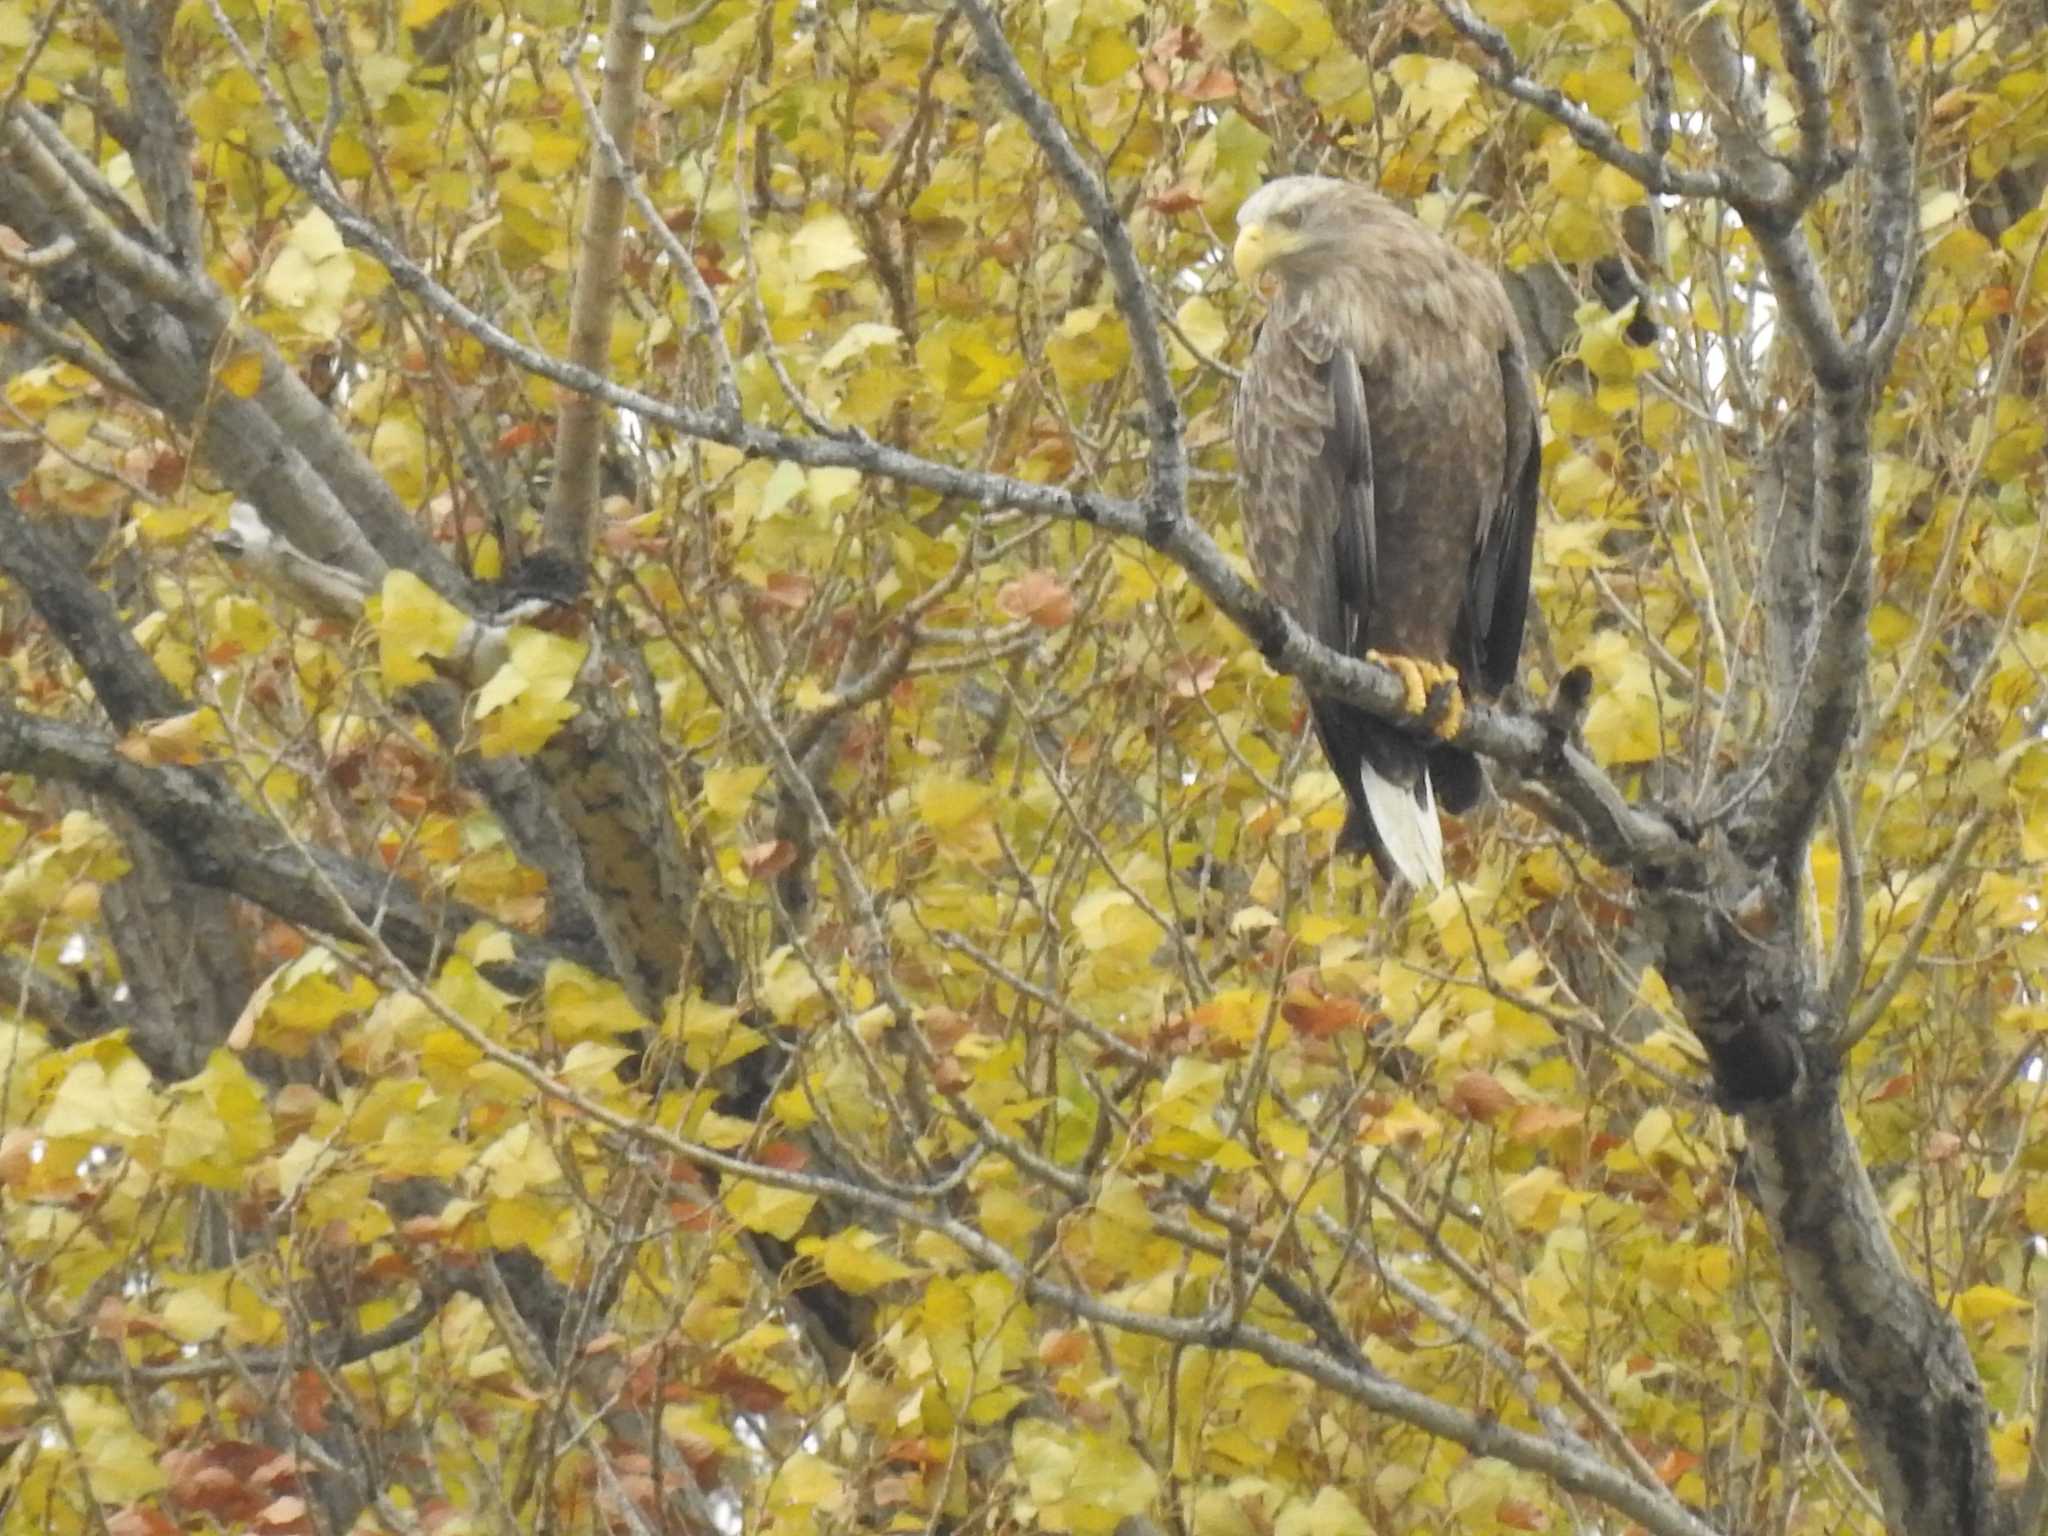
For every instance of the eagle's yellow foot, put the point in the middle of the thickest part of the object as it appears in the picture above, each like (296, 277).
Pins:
(1432, 691)
(1410, 671)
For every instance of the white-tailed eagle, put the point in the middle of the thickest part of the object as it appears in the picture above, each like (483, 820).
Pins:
(1387, 435)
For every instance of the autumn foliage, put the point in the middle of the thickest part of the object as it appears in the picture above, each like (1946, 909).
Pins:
(842, 1017)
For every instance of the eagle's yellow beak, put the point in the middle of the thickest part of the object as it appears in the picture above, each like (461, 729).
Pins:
(1257, 246)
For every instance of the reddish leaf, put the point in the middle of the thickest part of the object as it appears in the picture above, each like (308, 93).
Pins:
(1193, 676)
(1520, 1515)
(1480, 1096)
(1321, 1017)
(1218, 84)
(763, 861)
(1674, 1464)
(1038, 596)
(786, 1155)
(526, 433)
(1067, 1346)
(785, 589)
(1533, 1122)
(1181, 197)
(310, 1396)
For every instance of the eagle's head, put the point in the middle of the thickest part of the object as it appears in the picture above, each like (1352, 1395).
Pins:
(1290, 226)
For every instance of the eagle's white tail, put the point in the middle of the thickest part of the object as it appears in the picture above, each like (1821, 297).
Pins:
(1407, 826)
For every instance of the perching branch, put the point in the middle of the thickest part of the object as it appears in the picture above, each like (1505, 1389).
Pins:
(126, 682)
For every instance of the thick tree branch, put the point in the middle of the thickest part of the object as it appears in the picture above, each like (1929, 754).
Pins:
(1893, 227)
(219, 842)
(281, 448)
(161, 143)
(579, 424)
(70, 1009)
(82, 617)
(703, 305)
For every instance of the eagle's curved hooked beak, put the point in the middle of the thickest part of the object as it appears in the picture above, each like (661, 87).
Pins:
(1257, 247)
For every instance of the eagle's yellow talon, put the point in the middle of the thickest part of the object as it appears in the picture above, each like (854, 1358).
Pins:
(1410, 672)
(1447, 706)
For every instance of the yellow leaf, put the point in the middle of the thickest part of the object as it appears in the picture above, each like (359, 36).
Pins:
(729, 791)
(119, 1463)
(523, 1222)
(1111, 920)
(1536, 1200)
(2012, 1449)
(1654, 1132)
(413, 622)
(854, 1261)
(192, 1315)
(762, 1208)
(519, 1162)
(825, 244)
(242, 374)
(103, 1105)
(1078, 1480)
(807, 1482)
(582, 1005)
(1942, 208)
(789, 989)
(857, 338)
(1203, 324)
(711, 1033)
(1111, 54)
(945, 803)
(311, 276)
(197, 736)
(1980, 1303)
(1331, 1514)
(1292, 33)
(527, 699)
(1089, 346)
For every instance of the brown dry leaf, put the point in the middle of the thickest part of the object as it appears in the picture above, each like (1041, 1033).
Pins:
(1038, 596)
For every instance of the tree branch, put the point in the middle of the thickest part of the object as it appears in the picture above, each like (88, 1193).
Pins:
(579, 424)
(219, 842)
(1166, 497)
(1589, 131)
(1893, 228)
(82, 617)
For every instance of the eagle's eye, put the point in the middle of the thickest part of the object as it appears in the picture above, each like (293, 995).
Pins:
(1290, 218)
